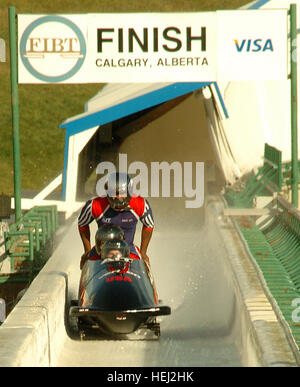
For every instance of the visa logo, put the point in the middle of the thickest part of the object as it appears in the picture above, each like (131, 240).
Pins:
(253, 45)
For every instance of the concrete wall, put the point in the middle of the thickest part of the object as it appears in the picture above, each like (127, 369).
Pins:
(32, 333)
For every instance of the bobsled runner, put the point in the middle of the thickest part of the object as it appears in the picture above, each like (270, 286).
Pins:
(117, 298)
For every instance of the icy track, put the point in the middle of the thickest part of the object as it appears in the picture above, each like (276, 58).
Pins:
(220, 315)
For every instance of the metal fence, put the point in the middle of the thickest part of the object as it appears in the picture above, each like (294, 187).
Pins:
(27, 241)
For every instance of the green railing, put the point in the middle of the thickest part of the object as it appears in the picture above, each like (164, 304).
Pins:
(275, 246)
(274, 241)
(283, 234)
(29, 241)
(273, 157)
(269, 173)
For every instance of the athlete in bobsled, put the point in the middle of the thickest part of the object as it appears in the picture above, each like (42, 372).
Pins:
(119, 207)
(117, 296)
(104, 233)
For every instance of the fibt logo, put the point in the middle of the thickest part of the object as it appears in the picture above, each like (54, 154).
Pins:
(52, 48)
(253, 45)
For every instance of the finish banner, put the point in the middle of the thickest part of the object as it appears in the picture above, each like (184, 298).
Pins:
(153, 47)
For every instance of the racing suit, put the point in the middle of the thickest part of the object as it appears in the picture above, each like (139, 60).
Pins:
(137, 209)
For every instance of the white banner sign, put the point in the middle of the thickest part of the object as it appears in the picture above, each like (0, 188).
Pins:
(252, 45)
(153, 47)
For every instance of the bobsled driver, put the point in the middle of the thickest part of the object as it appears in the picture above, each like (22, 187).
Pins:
(104, 233)
(121, 208)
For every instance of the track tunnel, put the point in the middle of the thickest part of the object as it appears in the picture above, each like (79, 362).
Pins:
(170, 125)
(120, 110)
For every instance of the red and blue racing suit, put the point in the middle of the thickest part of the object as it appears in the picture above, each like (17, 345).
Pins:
(99, 209)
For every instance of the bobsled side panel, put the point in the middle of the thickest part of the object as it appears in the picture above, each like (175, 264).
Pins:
(119, 294)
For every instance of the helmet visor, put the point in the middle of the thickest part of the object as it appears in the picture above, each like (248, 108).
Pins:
(119, 190)
(114, 253)
(118, 202)
(115, 249)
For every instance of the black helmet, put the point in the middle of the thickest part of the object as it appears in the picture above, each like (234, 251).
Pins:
(106, 232)
(119, 190)
(115, 249)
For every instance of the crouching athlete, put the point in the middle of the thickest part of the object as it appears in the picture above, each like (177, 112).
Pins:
(104, 233)
(119, 207)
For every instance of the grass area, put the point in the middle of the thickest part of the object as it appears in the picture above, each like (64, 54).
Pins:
(44, 107)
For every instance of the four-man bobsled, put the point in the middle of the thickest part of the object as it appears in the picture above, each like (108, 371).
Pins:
(117, 297)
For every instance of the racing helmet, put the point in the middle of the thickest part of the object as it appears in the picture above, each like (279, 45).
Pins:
(107, 232)
(119, 190)
(115, 249)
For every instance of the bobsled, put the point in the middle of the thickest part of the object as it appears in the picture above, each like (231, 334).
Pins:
(118, 298)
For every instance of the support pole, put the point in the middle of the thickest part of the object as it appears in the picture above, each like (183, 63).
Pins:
(15, 110)
(294, 119)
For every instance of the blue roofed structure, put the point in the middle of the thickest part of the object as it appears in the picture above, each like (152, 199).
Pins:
(114, 102)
